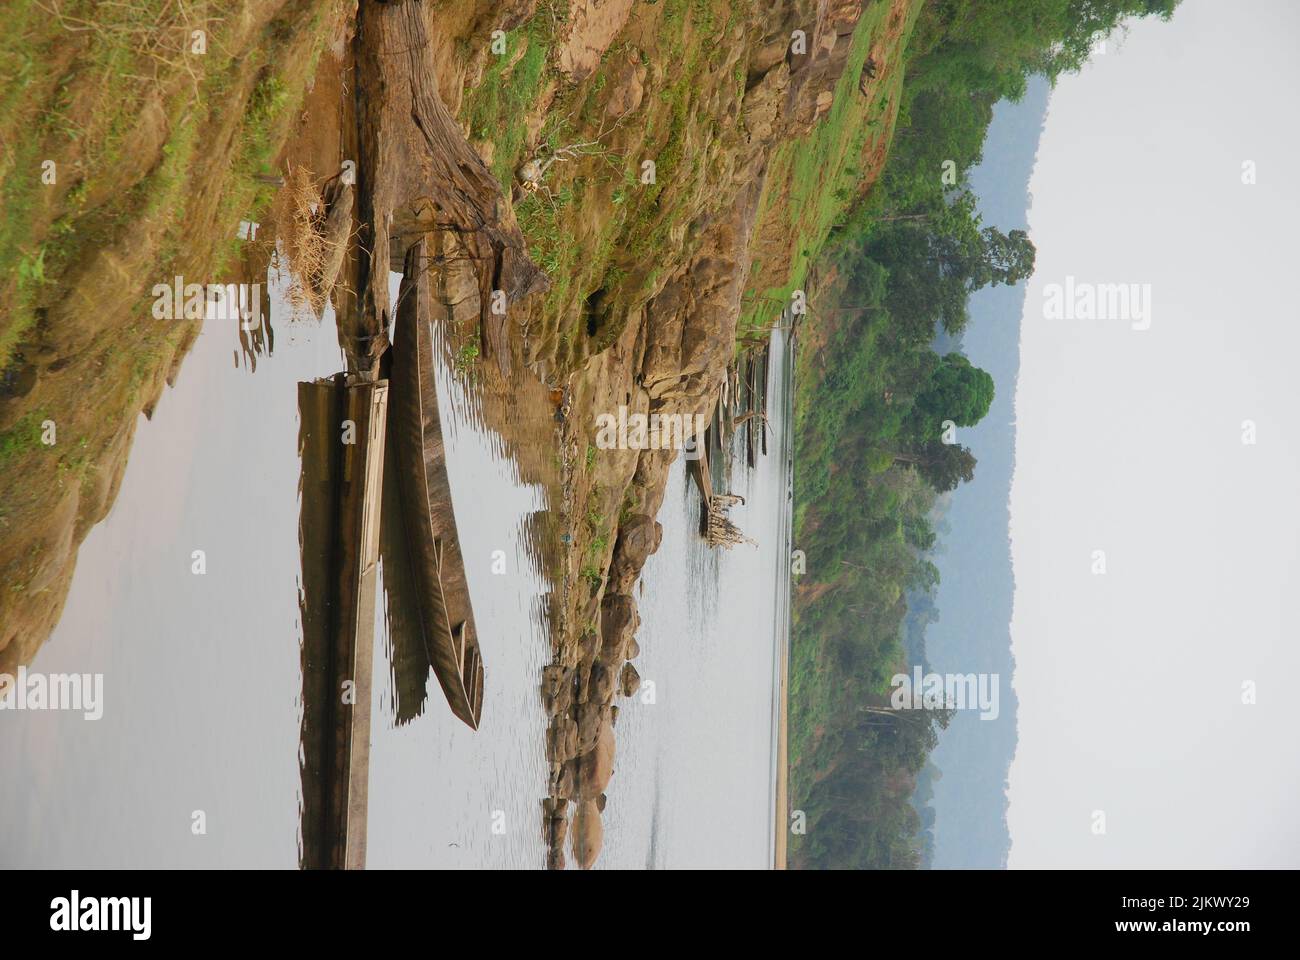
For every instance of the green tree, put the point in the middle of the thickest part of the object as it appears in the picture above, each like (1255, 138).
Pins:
(958, 391)
(1006, 258)
(943, 465)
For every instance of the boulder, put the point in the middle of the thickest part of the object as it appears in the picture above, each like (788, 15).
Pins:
(561, 702)
(596, 767)
(553, 677)
(629, 681)
(562, 740)
(639, 537)
(618, 622)
(589, 647)
(564, 784)
(627, 84)
(588, 834)
(591, 718)
(601, 683)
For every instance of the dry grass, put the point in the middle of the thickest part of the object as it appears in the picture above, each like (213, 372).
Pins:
(307, 253)
(165, 33)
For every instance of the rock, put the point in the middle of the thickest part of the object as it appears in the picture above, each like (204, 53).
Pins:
(562, 740)
(59, 544)
(591, 718)
(626, 85)
(562, 702)
(618, 623)
(595, 768)
(588, 834)
(601, 683)
(629, 681)
(589, 647)
(553, 831)
(639, 537)
(553, 676)
(593, 25)
(564, 784)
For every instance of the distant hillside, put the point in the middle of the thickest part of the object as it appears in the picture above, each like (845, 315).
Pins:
(972, 633)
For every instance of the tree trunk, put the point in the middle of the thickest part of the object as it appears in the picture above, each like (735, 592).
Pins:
(417, 176)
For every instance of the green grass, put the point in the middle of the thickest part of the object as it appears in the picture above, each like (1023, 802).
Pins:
(499, 104)
(47, 227)
(619, 254)
(822, 172)
(22, 438)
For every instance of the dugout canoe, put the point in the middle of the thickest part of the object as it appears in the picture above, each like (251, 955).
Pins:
(437, 567)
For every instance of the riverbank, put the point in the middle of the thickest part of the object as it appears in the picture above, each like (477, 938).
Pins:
(131, 143)
(648, 269)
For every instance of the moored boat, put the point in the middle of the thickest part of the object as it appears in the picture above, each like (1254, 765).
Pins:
(437, 567)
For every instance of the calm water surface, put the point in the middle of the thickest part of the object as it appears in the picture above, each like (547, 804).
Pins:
(202, 674)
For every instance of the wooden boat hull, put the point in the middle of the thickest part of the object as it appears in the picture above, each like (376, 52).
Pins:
(437, 567)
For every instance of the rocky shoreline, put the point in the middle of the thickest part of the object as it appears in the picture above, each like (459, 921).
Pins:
(653, 329)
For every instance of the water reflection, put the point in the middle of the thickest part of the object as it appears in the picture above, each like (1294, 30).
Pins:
(202, 673)
(451, 796)
(694, 785)
(341, 446)
(221, 695)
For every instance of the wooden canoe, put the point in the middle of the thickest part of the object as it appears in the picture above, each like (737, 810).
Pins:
(437, 567)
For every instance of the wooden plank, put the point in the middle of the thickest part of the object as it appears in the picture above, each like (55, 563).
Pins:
(367, 407)
(342, 439)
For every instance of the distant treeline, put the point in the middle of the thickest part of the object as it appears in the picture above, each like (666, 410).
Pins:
(876, 410)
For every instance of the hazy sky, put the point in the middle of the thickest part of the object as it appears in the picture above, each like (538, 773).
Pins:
(1130, 442)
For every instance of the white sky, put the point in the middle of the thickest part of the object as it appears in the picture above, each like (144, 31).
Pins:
(1130, 684)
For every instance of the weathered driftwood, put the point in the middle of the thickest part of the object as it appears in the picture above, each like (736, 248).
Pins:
(719, 531)
(437, 568)
(418, 177)
(715, 526)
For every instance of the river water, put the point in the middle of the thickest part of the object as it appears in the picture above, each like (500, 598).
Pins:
(195, 761)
